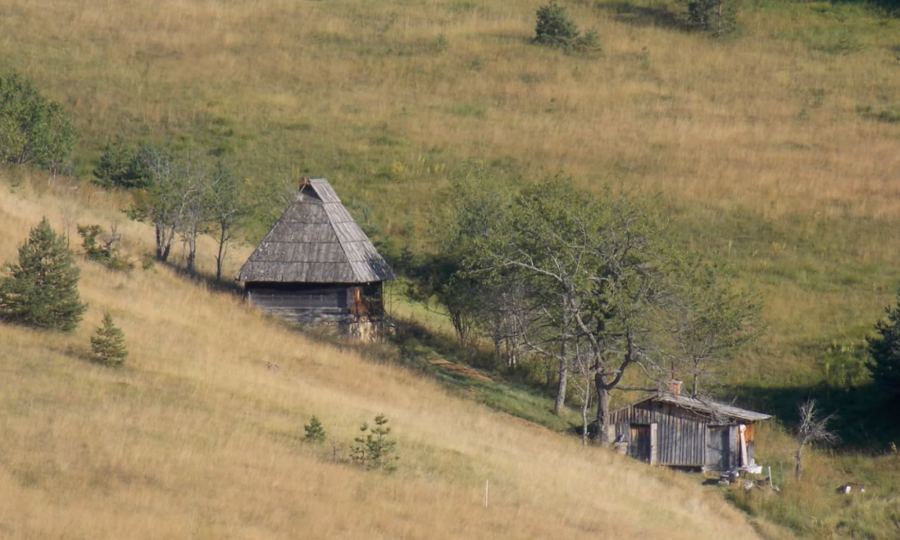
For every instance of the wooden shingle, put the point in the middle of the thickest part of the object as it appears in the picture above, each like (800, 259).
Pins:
(315, 241)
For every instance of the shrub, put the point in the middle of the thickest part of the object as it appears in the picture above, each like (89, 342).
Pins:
(373, 449)
(120, 167)
(315, 432)
(41, 291)
(106, 253)
(33, 129)
(554, 29)
(108, 344)
(716, 17)
(884, 351)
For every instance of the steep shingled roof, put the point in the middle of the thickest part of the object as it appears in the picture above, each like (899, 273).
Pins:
(315, 241)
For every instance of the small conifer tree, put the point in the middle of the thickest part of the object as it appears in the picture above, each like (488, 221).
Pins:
(315, 432)
(555, 29)
(41, 290)
(884, 351)
(373, 449)
(553, 26)
(715, 17)
(108, 344)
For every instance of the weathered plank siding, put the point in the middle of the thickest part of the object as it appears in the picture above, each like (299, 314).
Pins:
(681, 434)
(675, 430)
(316, 302)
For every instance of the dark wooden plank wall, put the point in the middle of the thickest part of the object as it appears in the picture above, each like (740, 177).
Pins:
(305, 304)
(316, 302)
(681, 434)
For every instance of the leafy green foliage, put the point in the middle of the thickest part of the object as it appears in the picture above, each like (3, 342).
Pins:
(223, 207)
(92, 250)
(33, 129)
(593, 285)
(108, 344)
(884, 349)
(555, 29)
(41, 290)
(711, 321)
(315, 431)
(716, 17)
(107, 253)
(553, 26)
(162, 202)
(121, 167)
(373, 449)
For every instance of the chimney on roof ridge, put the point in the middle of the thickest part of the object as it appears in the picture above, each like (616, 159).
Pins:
(675, 387)
(303, 183)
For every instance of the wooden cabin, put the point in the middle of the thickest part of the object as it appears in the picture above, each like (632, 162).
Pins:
(667, 428)
(317, 266)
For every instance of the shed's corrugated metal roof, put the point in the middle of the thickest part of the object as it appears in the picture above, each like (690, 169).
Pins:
(704, 406)
(316, 241)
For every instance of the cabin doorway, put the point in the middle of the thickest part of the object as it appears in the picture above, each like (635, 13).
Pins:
(718, 447)
(640, 442)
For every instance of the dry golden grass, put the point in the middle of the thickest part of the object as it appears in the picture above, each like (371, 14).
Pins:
(763, 126)
(197, 437)
(766, 121)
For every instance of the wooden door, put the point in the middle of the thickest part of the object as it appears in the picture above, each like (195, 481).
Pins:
(639, 447)
(718, 447)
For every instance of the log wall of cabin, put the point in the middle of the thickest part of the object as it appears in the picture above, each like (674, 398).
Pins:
(682, 437)
(313, 302)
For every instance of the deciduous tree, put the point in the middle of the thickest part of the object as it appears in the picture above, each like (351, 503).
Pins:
(33, 129)
(225, 208)
(812, 429)
(162, 202)
(711, 319)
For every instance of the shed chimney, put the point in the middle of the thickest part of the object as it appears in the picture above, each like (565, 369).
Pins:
(675, 387)
(303, 183)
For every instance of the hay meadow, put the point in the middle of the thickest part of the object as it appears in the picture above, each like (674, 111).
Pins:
(775, 147)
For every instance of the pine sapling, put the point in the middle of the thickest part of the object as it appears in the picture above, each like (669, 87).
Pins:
(108, 344)
(373, 449)
(315, 432)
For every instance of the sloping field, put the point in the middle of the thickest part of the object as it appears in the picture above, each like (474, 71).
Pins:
(198, 436)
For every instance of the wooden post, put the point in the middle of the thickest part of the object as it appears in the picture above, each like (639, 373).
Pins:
(486, 487)
(653, 444)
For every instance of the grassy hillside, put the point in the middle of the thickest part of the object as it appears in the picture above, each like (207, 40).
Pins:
(776, 146)
(198, 435)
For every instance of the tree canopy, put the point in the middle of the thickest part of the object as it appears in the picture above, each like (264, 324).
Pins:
(884, 350)
(594, 285)
(33, 129)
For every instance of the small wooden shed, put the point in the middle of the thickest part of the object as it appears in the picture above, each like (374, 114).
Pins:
(667, 428)
(317, 266)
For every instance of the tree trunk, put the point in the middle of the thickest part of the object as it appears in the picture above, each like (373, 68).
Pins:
(603, 416)
(585, 405)
(563, 363)
(163, 242)
(695, 385)
(192, 254)
(561, 386)
(220, 255)
(798, 470)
